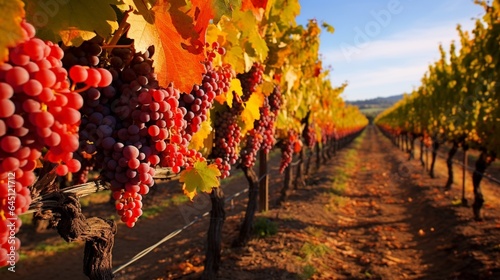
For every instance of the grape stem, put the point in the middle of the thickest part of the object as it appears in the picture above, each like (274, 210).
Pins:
(86, 87)
(116, 46)
(122, 29)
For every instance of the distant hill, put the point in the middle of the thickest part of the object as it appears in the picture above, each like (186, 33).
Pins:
(378, 102)
(372, 107)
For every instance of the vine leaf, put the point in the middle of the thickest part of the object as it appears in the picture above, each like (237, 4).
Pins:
(328, 27)
(72, 22)
(234, 89)
(11, 32)
(198, 139)
(178, 33)
(252, 110)
(225, 7)
(201, 177)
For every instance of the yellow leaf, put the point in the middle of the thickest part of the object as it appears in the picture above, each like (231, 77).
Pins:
(252, 110)
(215, 34)
(201, 177)
(189, 194)
(73, 36)
(290, 77)
(11, 32)
(197, 141)
(228, 97)
(267, 87)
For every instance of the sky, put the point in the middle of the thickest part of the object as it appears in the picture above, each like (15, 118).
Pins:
(384, 47)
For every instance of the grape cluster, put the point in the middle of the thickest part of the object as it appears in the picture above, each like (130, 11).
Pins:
(198, 102)
(252, 143)
(250, 80)
(286, 153)
(226, 141)
(290, 145)
(87, 54)
(260, 137)
(309, 136)
(130, 127)
(215, 81)
(38, 112)
(275, 100)
(134, 125)
(266, 124)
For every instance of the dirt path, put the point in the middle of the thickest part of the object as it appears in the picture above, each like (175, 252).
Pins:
(366, 214)
(384, 221)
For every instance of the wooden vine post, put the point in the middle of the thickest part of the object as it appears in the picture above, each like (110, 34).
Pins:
(449, 164)
(422, 152)
(299, 177)
(287, 184)
(464, 173)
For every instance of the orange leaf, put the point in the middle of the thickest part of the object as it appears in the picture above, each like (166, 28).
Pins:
(256, 6)
(297, 146)
(178, 34)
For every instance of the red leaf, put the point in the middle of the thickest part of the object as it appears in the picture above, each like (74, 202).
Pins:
(203, 13)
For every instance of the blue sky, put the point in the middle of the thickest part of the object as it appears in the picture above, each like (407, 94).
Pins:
(384, 47)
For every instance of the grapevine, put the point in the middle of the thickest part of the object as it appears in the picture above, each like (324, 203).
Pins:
(122, 105)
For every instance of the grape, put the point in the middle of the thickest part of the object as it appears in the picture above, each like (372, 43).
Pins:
(46, 77)
(7, 108)
(17, 76)
(78, 74)
(32, 88)
(10, 144)
(6, 91)
(93, 77)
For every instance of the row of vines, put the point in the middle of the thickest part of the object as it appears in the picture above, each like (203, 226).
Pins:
(458, 100)
(131, 89)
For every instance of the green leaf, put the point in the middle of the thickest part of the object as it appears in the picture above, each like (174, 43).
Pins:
(328, 27)
(72, 22)
(200, 178)
(259, 45)
(225, 7)
(234, 57)
(285, 11)
(11, 32)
